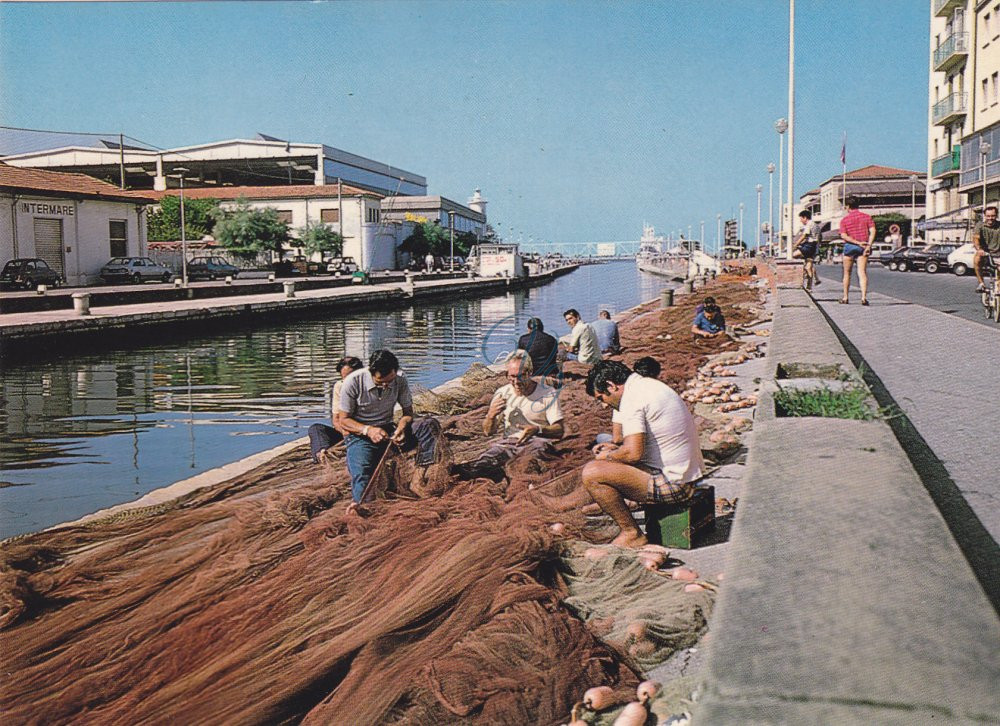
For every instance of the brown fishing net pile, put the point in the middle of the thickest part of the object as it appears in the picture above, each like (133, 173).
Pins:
(261, 600)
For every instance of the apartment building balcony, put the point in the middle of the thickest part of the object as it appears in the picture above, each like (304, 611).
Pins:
(950, 109)
(944, 8)
(952, 52)
(947, 165)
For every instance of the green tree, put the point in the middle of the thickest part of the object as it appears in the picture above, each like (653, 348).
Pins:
(432, 237)
(884, 221)
(164, 224)
(247, 232)
(321, 238)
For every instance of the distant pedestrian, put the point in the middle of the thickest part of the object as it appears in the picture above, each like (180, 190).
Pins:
(322, 438)
(582, 340)
(429, 262)
(709, 321)
(858, 232)
(607, 333)
(807, 247)
(986, 240)
(542, 348)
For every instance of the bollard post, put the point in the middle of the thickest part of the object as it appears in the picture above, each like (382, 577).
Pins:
(689, 286)
(289, 288)
(42, 289)
(178, 282)
(667, 298)
(229, 279)
(270, 277)
(81, 303)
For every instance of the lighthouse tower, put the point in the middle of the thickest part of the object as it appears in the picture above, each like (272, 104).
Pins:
(477, 203)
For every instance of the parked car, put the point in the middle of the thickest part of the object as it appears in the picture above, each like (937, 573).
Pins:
(931, 258)
(211, 268)
(899, 259)
(133, 269)
(458, 260)
(341, 265)
(960, 260)
(29, 273)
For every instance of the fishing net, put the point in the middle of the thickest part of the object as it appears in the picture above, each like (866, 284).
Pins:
(644, 616)
(264, 600)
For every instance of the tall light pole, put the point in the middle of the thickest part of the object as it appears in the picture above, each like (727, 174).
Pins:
(756, 234)
(913, 208)
(741, 236)
(770, 204)
(451, 228)
(703, 235)
(718, 232)
(781, 126)
(984, 151)
(181, 171)
(791, 121)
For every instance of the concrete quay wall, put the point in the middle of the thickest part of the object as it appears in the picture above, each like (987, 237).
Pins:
(846, 598)
(54, 331)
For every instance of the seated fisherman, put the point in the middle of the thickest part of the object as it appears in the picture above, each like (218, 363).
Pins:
(659, 459)
(709, 322)
(531, 420)
(647, 367)
(367, 404)
(606, 330)
(323, 438)
(581, 341)
(541, 346)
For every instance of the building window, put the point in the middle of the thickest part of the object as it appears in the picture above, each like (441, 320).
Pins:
(329, 216)
(996, 78)
(118, 237)
(285, 215)
(985, 101)
(371, 215)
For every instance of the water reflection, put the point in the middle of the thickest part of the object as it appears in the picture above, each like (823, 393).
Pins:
(89, 431)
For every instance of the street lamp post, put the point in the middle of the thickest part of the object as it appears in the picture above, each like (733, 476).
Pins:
(781, 126)
(741, 236)
(984, 151)
(770, 204)
(703, 235)
(718, 232)
(756, 234)
(913, 208)
(181, 171)
(451, 228)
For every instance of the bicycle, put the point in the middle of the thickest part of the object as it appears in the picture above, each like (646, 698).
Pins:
(991, 296)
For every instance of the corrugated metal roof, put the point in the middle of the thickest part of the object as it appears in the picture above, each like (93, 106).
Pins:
(19, 141)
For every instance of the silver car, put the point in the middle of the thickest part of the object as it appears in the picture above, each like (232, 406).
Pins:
(134, 269)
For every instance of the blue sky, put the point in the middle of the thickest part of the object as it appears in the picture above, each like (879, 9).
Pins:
(579, 120)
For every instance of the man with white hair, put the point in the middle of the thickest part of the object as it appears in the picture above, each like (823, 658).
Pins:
(530, 417)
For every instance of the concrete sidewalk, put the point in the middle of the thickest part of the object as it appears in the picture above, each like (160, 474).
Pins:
(846, 600)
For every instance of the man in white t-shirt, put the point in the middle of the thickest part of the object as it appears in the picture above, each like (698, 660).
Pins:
(582, 340)
(659, 459)
(530, 416)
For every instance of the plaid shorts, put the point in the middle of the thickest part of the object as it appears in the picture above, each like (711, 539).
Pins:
(660, 490)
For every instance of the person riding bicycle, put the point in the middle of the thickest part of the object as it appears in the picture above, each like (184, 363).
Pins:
(986, 240)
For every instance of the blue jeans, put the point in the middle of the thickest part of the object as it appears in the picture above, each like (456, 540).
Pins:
(363, 455)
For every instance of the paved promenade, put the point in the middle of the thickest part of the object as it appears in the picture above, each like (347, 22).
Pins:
(942, 373)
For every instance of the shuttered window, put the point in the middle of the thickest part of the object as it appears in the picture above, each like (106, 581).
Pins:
(329, 216)
(118, 237)
(285, 215)
(49, 242)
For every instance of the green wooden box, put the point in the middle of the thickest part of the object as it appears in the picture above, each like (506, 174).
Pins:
(682, 526)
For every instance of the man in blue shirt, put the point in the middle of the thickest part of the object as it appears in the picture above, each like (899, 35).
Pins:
(607, 333)
(708, 322)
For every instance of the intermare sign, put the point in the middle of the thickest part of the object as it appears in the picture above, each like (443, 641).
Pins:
(65, 210)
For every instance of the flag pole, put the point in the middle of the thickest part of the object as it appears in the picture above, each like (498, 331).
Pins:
(843, 173)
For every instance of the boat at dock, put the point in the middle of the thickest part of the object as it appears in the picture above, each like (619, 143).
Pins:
(658, 257)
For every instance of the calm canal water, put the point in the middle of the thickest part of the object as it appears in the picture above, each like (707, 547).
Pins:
(89, 431)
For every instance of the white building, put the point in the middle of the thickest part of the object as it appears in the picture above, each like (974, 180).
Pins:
(261, 161)
(72, 221)
(964, 111)
(438, 209)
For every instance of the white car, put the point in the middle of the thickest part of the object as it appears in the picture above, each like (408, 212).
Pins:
(961, 259)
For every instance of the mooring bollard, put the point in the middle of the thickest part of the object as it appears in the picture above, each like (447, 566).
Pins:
(178, 282)
(81, 303)
(229, 279)
(667, 299)
(289, 289)
(689, 286)
(270, 277)
(42, 289)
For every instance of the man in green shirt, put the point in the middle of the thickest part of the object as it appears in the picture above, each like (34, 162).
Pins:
(986, 240)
